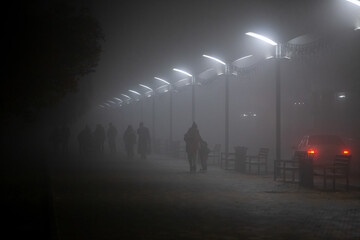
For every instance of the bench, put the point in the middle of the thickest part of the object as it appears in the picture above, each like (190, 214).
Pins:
(258, 160)
(338, 169)
(281, 167)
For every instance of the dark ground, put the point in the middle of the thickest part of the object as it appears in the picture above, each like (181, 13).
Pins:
(110, 198)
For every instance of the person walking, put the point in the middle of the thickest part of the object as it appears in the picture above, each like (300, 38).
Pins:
(111, 136)
(144, 140)
(203, 155)
(192, 139)
(129, 141)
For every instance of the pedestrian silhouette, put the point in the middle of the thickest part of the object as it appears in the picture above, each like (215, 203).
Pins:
(192, 139)
(99, 139)
(111, 136)
(143, 141)
(203, 155)
(129, 141)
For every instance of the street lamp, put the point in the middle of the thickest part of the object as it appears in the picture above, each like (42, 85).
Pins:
(141, 103)
(153, 110)
(127, 97)
(356, 2)
(278, 89)
(227, 73)
(171, 107)
(120, 101)
(192, 90)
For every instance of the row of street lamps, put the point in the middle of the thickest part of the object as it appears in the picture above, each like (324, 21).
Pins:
(227, 73)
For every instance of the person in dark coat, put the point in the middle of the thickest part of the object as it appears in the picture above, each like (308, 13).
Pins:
(143, 140)
(203, 155)
(111, 134)
(192, 139)
(129, 141)
(99, 138)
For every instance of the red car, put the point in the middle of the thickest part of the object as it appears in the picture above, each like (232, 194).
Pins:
(323, 147)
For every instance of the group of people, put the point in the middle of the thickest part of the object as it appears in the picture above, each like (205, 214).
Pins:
(93, 142)
(143, 143)
(196, 146)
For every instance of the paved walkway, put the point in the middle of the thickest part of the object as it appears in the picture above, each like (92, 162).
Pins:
(159, 199)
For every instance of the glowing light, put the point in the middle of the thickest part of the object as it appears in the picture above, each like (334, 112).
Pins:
(112, 102)
(215, 59)
(270, 57)
(242, 58)
(358, 28)
(126, 96)
(181, 71)
(118, 99)
(160, 79)
(346, 152)
(134, 92)
(263, 38)
(356, 2)
(342, 96)
(311, 151)
(144, 86)
(181, 80)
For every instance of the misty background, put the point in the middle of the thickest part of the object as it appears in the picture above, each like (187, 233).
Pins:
(144, 39)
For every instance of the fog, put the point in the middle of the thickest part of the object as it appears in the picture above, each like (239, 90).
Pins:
(70, 66)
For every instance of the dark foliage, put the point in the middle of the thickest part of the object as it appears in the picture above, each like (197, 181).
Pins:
(49, 47)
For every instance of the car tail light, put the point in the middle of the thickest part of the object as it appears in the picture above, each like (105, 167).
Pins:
(311, 151)
(346, 152)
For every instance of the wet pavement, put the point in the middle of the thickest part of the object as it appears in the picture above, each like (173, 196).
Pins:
(159, 199)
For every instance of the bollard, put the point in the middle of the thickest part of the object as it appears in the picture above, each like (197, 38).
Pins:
(306, 178)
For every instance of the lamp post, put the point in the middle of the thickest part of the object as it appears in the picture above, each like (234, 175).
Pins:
(141, 103)
(130, 110)
(278, 90)
(153, 110)
(227, 73)
(356, 2)
(171, 108)
(192, 91)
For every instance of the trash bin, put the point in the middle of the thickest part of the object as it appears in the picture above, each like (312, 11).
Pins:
(306, 172)
(240, 157)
